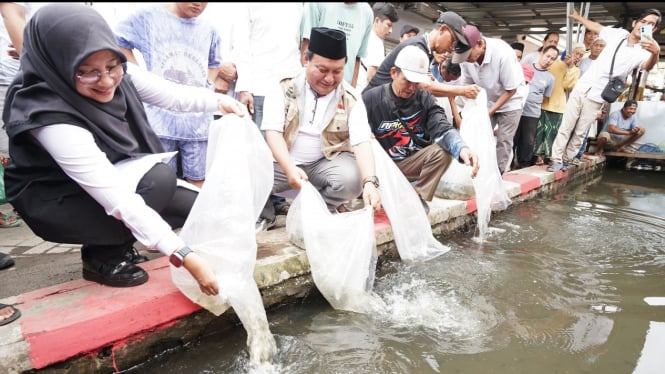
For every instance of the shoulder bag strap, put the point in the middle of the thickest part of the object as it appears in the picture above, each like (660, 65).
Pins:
(614, 56)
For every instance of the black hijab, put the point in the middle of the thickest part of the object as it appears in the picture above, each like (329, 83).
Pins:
(57, 39)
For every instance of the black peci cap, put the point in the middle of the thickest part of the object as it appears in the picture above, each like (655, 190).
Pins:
(327, 42)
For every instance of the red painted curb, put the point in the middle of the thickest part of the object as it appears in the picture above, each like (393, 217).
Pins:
(80, 317)
(471, 206)
(527, 182)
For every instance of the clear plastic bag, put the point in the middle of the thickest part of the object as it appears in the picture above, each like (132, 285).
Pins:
(221, 227)
(411, 228)
(340, 247)
(476, 130)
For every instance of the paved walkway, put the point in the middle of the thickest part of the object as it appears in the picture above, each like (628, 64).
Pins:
(38, 263)
(98, 329)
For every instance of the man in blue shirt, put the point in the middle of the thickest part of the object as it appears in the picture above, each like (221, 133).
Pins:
(621, 129)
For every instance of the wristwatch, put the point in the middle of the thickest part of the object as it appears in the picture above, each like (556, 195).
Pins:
(372, 179)
(178, 257)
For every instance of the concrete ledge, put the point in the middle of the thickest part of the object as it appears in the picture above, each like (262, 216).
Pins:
(654, 156)
(81, 326)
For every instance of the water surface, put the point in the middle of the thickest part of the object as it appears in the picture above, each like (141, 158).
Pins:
(565, 284)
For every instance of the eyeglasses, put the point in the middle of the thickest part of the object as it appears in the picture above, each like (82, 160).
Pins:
(452, 35)
(453, 40)
(91, 77)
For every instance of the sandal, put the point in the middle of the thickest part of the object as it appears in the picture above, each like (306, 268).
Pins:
(8, 220)
(10, 318)
(539, 161)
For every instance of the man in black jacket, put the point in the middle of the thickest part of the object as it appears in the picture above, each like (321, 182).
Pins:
(412, 128)
(440, 41)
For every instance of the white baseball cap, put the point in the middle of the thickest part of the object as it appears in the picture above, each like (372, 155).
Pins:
(414, 64)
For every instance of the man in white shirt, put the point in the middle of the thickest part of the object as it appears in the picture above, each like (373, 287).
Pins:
(597, 46)
(586, 99)
(316, 126)
(492, 64)
(264, 48)
(261, 48)
(385, 15)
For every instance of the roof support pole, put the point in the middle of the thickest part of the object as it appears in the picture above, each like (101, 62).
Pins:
(584, 12)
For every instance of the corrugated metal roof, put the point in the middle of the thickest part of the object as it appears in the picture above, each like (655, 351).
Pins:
(510, 20)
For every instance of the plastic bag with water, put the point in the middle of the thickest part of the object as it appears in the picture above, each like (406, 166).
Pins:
(221, 227)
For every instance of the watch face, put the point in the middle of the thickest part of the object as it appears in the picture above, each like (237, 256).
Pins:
(175, 260)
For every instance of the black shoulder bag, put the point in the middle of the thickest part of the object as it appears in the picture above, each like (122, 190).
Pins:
(616, 86)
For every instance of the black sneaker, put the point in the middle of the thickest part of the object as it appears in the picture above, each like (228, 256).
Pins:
(123, 274)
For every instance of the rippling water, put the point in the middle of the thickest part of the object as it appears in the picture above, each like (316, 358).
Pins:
(563, 285)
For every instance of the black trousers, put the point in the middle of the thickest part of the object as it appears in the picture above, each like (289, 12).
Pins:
(70, 215)
(524, 141)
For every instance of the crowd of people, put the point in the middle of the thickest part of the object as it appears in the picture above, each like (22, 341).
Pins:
(107, 123)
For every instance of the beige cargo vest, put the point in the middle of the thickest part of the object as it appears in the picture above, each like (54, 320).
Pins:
(335, 136)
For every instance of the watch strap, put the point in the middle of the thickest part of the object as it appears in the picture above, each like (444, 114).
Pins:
(177, 258)
(371, 179)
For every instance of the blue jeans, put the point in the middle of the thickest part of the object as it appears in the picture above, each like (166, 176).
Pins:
(583, 148)
(257, 117)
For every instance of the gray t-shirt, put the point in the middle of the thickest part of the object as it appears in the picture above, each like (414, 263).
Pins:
(541, 86)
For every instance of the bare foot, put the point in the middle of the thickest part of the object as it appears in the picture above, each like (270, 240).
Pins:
(625, 150)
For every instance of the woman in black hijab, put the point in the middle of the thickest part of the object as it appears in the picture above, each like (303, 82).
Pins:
(83, 166)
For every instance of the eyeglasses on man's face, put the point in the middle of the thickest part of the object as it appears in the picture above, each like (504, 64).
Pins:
(453, 37)
(91, 77)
